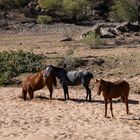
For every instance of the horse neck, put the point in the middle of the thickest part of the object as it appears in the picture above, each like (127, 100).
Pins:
(108, 84)
(40, 75)
(59, 72)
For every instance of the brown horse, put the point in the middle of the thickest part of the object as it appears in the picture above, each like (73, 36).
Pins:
(113, 90)
(38, 81)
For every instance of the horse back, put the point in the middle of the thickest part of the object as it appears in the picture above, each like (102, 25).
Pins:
(117, 89)
(73, 78)
(122, 84)
(36, 81)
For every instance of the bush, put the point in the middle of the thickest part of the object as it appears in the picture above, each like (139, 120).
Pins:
(74, 8)
(15, 62)
(13, 3)
(44, 19)
(124, 10)
(70, 8)
(50, 5)
(92, 40)
(70, 63)
(20, 3)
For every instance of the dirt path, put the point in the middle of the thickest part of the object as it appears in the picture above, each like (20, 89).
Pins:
(74, 119)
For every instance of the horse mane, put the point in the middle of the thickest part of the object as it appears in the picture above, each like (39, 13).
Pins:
(108, 84)
(58, 68)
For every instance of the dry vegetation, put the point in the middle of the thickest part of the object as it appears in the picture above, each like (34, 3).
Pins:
(74, 119)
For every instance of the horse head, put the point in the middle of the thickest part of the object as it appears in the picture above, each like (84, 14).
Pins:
(100, 86)
(48, 71)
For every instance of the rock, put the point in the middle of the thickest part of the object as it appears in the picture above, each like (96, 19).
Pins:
(103, 30)
(105, 33)
(137, 34)
(110, 30)
(16, 81)
(66, 39)
(98, 61)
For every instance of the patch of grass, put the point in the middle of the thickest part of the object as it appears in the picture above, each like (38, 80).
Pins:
(13, 63)
(44, 19)
(92, 40)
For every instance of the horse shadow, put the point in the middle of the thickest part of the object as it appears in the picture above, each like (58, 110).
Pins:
(132, 119)
(130, 101)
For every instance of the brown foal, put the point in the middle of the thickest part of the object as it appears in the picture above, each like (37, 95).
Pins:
(113, 90)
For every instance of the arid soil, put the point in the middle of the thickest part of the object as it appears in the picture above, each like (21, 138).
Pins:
(74, 119)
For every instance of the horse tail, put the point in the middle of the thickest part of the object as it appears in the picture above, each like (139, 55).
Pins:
(54, 81)
(90, 75)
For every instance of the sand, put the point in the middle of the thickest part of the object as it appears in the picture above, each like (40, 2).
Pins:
(41, 119)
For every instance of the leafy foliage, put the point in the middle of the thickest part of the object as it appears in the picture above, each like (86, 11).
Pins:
(71, 63)
(13, 3)
(92, 40)
(74, 7)
(15, 62)
(50, 5)
(124, 10)
(44, 19)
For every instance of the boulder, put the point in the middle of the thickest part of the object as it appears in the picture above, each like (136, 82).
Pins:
(66, 39)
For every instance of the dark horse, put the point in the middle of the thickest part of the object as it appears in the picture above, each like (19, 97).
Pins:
(72, 78)
(38, 81)
(113, 90)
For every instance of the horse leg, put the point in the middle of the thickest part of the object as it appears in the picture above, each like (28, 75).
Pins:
(66, 94)
(105, 107)
(88, 91)
(24, 93)
(122, 99)
(126, 103)
(110, 100)
(89, 94)
(50, 87)
(31, 93)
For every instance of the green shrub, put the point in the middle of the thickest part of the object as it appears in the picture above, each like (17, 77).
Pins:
(13, 3)
(44, 19)
(20, 3)
(124, 10)
(74, 7)
(50, 5)
(71, 62)
(92, 40)
(15, 62)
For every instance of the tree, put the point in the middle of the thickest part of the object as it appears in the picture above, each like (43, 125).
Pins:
(9, 4)
(51, 6)
(125, 10)
(75, 7)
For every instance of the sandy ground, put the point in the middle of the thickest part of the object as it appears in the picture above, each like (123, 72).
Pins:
(74, 119)
(41, 119)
